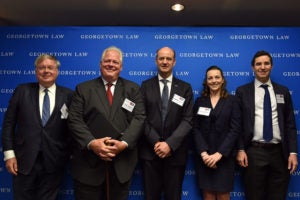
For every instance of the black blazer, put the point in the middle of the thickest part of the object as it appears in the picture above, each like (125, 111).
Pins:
(24, 133)
(178, 122)
(90, 97)
(286, 118)
(225, 119)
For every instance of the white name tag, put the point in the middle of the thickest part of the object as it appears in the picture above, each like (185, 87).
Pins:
(128, 105)
(178, 100)
(64, 112)
(279, 98)
(204, 111)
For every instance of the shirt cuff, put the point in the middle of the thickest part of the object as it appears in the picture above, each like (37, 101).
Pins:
(88, 145)
(9, 154)
(125, 143)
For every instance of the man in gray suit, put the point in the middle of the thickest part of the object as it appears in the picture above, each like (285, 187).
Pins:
(164, 145)
(103, 162)
(35, 141)
(268, 154)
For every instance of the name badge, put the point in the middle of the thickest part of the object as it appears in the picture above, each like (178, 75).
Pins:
(204, 111)
(128, 105)
(178, 100)
(279, 98)
(64, 112)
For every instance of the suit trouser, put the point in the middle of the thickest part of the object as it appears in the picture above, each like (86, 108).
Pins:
(162, 179)
(38, 184)
(267, 175)
(117, 190)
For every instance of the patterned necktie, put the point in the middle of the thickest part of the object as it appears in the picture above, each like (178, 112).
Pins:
(109, 94)
(165, 99)
(267, 124)
(46, 108)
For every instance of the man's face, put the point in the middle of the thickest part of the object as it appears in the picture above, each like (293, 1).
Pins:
(165, 62)
(46, 72)
(262, 68)
(111, 66)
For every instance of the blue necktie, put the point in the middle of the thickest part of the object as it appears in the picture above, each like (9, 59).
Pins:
(267, 124)
(165, 99)
(46, 108)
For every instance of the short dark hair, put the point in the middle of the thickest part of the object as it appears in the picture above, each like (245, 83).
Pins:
(261, 53)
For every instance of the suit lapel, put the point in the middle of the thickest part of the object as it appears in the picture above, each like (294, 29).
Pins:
(219, 106)
(100, 90)
(156, 89)
(251, 94)
(118, 98)
(175, 89)
(58, 101)
(35, 101)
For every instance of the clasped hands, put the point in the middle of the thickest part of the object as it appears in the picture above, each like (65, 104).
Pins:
(107, 148)
(211, 160)
(162, 149)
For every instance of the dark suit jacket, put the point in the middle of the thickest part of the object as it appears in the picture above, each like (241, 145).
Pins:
(225, 120)
(178, 122)
(90, 97)
(24, 133)
(286, 118)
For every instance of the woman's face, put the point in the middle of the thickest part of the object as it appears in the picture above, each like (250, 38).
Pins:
(214, 80)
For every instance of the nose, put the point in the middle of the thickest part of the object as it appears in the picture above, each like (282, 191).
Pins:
(165, 60)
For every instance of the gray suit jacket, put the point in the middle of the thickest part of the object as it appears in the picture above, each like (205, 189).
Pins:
(90, 97)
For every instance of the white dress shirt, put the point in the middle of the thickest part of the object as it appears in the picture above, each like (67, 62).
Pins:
(259, 109)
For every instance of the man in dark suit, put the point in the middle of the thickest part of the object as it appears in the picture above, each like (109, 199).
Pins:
(269, 155)
(102, 166)
(164, 145)
(36, 150)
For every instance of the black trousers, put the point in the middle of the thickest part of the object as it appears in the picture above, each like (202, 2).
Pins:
(110, 189)
(38, 184)
(267, 175)
(161, 179)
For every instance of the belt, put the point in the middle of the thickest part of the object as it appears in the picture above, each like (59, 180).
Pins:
(264, 145)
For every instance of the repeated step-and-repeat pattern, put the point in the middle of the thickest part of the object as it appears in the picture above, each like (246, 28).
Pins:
(79, 50)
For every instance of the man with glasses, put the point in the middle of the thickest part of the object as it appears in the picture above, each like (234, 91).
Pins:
(35, 134)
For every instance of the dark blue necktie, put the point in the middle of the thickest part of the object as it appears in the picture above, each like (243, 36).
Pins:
(46, 108)
(165, 99)
(267, 124)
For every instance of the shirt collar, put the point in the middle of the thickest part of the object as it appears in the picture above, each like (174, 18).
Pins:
(170, 78)
(258, 83)
(51, 89)
(105, 82)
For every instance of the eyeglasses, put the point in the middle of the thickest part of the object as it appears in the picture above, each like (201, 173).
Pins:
(43, 68)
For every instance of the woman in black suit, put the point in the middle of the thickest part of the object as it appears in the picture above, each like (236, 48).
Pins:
(216, 129)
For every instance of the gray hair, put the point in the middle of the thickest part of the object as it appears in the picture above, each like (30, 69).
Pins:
(114, 48)
(43, 57)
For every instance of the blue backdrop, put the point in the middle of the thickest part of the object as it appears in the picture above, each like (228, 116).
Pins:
(79, 50)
